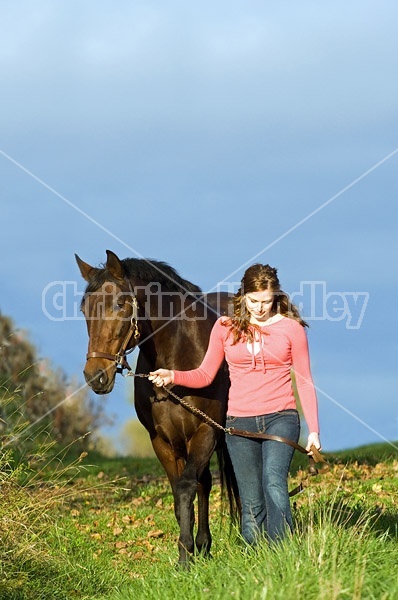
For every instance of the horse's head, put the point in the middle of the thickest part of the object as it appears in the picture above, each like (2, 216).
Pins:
(110, 309)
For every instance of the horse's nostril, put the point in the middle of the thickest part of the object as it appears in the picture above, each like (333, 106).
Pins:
(102, 377)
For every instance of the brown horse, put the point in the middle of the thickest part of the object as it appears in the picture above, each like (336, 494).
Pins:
(138, 302)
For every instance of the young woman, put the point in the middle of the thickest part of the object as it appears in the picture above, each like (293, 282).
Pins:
(262, 342)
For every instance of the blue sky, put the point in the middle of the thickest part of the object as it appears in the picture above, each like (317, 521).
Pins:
(211, 136)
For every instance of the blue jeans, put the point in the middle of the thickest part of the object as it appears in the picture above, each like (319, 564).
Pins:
(261, 469)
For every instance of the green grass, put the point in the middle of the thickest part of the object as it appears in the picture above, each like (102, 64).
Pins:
(104, 529)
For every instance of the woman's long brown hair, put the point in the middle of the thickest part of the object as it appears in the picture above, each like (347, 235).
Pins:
(259, 278)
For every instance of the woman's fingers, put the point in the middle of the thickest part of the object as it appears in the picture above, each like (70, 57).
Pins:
(161, 377)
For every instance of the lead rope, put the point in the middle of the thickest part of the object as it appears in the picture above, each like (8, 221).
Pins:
(314, 459)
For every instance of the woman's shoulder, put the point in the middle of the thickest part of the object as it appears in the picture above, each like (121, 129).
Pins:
(224, 320)
(292, 324)
(223, 325)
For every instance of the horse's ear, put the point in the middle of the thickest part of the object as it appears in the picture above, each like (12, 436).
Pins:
(86, 270)
(114, 265)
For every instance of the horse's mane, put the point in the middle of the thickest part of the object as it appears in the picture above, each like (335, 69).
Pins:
(146, 271)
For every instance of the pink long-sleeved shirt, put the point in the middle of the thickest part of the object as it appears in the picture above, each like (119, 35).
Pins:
(260, 373)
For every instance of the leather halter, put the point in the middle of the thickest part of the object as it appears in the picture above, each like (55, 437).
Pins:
(120, 357)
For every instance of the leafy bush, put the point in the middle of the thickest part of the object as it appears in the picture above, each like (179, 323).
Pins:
(37, 402)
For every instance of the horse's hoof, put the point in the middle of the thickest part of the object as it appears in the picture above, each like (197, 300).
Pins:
(183, 565)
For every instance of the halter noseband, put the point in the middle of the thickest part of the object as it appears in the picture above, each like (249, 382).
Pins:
(120, 357)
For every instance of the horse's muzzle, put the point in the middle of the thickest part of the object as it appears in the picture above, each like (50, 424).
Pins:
(100, 380)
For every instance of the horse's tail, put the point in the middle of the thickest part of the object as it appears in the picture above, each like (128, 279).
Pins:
(229, 486)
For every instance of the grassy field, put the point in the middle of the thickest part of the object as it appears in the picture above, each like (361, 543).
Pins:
(105, 529)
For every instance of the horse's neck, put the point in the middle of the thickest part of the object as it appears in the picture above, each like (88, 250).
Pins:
(176, 343)
(175, 324)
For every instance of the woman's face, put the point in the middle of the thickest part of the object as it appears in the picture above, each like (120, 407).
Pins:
(259, 305)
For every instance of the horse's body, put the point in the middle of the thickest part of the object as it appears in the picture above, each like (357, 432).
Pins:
(171, 326)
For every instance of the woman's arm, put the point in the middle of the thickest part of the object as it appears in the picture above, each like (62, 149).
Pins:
(305, 384)
(205, 373)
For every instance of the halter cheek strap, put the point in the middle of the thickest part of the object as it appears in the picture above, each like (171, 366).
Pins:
(120, 357)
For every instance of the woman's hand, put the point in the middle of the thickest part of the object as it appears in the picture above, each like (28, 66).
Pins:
(313, 440)
(161, 377)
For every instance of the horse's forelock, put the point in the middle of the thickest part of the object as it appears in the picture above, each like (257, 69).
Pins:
(100, 277)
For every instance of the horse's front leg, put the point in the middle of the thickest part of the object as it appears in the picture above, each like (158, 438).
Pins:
(203, 536)
(201, 448)
(183, 482)
(184, 497)
(194, 480)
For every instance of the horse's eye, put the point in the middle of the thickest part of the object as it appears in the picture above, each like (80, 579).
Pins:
(119, 305)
